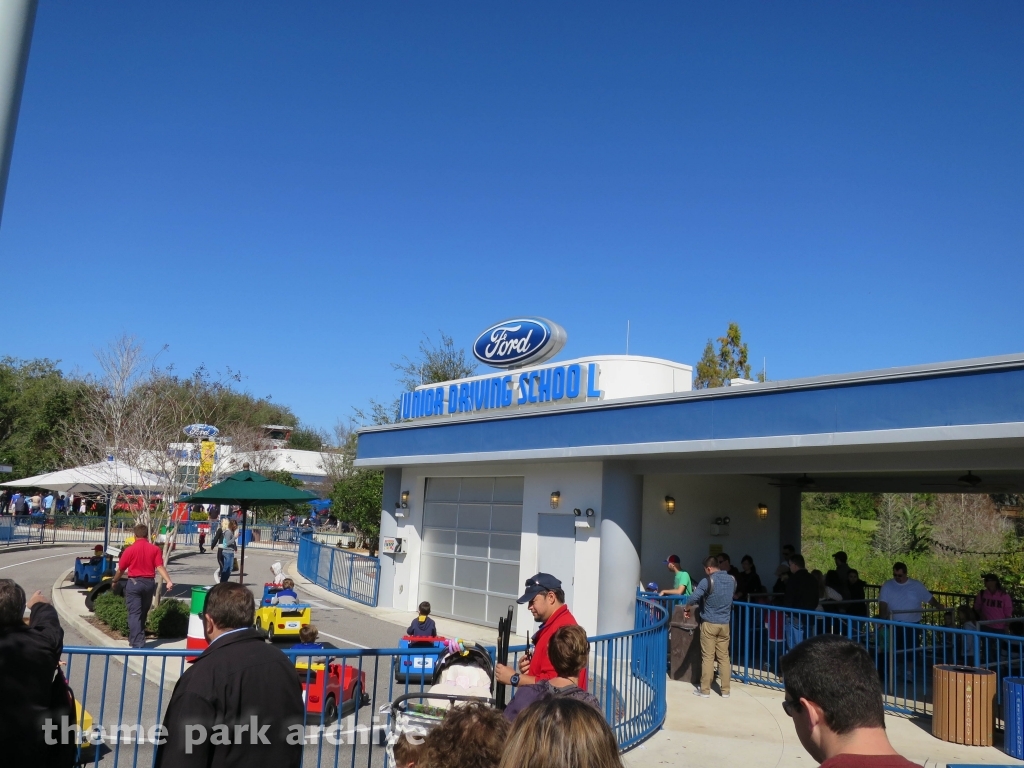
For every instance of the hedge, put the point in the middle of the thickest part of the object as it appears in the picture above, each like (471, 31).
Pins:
(169, 619)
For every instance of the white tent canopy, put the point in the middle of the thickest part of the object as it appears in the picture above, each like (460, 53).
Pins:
(106, 477)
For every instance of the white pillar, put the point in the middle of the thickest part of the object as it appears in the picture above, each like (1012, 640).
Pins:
(622, 492)
(17, 18)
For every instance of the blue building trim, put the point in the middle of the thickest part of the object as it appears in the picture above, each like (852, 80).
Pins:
(946, 399)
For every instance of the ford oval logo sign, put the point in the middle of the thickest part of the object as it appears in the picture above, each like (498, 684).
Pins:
(519, 341)
(201, 430)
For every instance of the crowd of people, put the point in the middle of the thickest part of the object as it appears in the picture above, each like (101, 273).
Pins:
(832, 686)
(832, 694)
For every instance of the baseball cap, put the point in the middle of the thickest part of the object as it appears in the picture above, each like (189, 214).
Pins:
(672, 559)
(535, 585)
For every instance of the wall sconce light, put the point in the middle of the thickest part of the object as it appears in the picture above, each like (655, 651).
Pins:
(590, 512)
(555, 496)
(405, 499)
(670, 504)
(762, 511)
(577, 511)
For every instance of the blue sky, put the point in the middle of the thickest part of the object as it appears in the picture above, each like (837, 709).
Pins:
(300, 191)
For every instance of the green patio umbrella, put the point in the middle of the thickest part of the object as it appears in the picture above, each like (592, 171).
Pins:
(249, 489)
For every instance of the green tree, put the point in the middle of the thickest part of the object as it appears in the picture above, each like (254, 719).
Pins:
(357, 499)
(36, 401)
(433, 365)
(730, 361)
(306, 439)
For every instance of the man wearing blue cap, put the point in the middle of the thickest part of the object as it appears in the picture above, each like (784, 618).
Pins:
(547, 604)
(682, 584)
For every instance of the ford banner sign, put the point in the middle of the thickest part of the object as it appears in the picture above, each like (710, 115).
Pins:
(203, 431)
(518, 342)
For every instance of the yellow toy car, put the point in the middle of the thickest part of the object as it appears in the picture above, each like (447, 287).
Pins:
(283, 620)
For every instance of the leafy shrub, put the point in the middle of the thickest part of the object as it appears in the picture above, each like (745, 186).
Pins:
(169, 619)
(199, 516)
(112, 610)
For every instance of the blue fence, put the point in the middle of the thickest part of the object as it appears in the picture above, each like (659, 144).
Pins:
(904, 653)
(124, 693)
(344, 573)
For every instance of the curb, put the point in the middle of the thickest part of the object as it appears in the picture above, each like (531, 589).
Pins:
(159, 673)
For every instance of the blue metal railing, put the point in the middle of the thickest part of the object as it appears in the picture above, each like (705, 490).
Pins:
(128, 690)
(904, 653)
(344, 573)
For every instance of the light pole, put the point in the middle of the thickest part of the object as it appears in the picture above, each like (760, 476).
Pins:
(17, 18)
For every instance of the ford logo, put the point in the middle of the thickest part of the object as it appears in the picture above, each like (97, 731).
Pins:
(201, 430)
(519, 341)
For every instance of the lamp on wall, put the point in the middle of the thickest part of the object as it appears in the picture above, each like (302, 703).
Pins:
(555, 496)
(762, 511)
(670, 504)
(405, 499)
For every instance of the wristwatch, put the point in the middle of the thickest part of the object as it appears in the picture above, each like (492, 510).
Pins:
(514, 680)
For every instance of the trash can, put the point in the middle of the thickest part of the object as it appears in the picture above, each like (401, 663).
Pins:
(684, 647)
(198, 599)
(962, 709)
(1013, 716)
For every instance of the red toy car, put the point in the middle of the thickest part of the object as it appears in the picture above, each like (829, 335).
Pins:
(341, 690)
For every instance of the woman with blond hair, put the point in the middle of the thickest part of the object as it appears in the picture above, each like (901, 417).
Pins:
(560, 732)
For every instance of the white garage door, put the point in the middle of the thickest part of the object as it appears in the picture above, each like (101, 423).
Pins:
(469, 565)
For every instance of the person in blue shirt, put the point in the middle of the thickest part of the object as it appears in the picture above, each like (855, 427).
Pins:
(308, 639)
(286, 595)
(714, 593)
(423, 625)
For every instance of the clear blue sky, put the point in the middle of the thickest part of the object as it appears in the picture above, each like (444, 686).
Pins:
(299, 191)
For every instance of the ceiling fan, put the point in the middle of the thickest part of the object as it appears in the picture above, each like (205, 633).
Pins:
(803, 483)
(970, 480)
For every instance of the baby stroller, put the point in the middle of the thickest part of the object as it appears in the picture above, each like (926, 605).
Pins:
(465, 673)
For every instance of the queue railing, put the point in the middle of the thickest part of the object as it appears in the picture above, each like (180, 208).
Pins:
(904, 653)
(123, 694)
(348, 574)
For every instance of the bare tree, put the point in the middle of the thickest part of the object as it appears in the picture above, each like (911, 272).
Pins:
(967, 523)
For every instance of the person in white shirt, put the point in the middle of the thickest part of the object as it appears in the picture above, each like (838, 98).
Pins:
(902, 597)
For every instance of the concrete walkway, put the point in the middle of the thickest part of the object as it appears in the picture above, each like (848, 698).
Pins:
(751, 730)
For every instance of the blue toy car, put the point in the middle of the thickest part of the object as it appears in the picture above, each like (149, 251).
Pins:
(418, 668)
(90, 570)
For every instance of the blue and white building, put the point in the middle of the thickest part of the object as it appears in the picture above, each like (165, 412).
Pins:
(596, 469)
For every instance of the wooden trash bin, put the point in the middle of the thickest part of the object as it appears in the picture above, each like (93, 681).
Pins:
(684, 648)
(962, 704)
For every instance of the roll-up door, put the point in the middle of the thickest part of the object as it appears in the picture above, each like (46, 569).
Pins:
(469, 561)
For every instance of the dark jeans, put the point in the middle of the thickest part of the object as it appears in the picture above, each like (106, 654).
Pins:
(138, 594)
(226, 563)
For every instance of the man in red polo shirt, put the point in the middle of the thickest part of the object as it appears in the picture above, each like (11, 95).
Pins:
(141, 561)
(547, 604)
